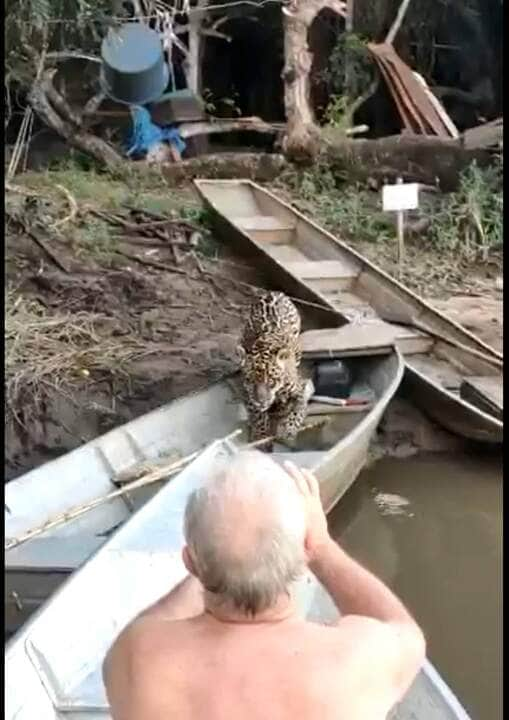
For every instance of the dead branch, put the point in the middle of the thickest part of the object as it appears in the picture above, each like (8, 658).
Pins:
(154, 263)
(38, 239)
(55, 112)
(398, 20)
(73, 205)
(253, 124)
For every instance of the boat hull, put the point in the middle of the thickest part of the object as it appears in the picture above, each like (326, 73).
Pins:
(53, 666)
(450, 411)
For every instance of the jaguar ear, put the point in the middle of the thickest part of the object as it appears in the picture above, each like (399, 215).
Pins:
(241, 355)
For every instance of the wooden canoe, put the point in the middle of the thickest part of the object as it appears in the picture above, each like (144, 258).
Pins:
(309, 263)
(53, 666)
(337, 450)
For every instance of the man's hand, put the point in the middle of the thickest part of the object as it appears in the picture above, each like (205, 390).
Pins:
(317, 535)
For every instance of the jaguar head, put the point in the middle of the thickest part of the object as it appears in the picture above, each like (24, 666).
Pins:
(264, 375)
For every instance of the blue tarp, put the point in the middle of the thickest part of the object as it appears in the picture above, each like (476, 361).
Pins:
(145, 134)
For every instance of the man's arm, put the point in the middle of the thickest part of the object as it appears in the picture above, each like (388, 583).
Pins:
(370, 610)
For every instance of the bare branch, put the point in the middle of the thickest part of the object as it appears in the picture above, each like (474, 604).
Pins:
(252, 124)
(68, 55)
(93, 105)
(394, 29)
(210, 32)
(42, 98)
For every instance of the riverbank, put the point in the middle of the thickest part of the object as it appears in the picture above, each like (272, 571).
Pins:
(102, 326)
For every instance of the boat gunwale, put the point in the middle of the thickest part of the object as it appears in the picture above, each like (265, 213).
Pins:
(455, 398)
(199, 182)
(359, 428)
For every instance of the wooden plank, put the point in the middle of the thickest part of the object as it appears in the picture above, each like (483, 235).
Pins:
(285, 253)
(263, 223)
(402, 81)
(486, 393)
(326, 275)
(318, 269)
(362, 336)
(405, 108)
(374, 337)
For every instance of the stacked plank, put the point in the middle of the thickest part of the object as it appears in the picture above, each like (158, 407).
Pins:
(419, 109)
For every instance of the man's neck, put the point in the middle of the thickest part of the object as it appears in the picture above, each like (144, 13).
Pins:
(283, 609)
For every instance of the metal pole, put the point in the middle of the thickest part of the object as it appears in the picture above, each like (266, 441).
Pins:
(401, 236)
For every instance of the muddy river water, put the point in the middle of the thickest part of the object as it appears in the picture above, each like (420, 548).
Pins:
(431, 528)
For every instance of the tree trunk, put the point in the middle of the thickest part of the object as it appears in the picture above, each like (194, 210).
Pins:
(55, 112)
(195, 48)
(415, 158)
(302, 141)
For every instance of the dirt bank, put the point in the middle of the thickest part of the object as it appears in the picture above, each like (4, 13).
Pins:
(102, 326)
(111, 336)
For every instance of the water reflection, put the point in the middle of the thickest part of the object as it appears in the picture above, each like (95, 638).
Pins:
(431, 528)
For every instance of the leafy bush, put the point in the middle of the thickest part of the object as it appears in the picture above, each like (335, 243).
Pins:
(470, 220)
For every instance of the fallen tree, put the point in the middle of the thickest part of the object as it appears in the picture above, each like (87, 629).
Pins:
(415, 158)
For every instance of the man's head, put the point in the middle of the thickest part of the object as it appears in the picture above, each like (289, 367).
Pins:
(245, 531)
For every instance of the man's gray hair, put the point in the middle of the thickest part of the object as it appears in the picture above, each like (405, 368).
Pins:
(245, 531)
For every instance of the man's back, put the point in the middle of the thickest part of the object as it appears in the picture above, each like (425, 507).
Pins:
(204, 668)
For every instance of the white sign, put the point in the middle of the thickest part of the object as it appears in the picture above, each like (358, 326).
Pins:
(403, 196)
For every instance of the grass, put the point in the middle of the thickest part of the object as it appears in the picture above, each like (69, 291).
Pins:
(147, 190)
(51, 350)
(467, 223)
(59, 352)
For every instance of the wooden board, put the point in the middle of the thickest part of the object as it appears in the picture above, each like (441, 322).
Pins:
(486, 393)
(373, 336)
(326, 275)
(361, 338)
(318, 269)
(408, 91)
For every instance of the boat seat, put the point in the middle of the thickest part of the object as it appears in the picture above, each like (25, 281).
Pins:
(325, 275)
(285, 253)
(263, 223)
(371, 336)
(268, 229)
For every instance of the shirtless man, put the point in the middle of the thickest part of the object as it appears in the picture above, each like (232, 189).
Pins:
(228, 643)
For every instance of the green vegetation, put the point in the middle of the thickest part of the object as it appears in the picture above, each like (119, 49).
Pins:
(467, 222)
(349, 74)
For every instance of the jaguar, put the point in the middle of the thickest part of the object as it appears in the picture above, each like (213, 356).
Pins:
(275, 394)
